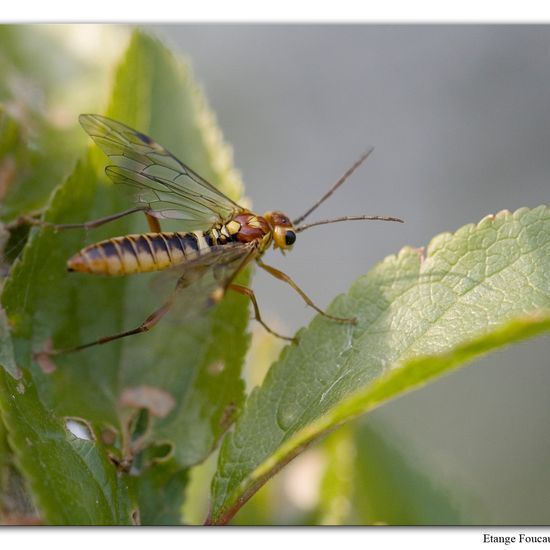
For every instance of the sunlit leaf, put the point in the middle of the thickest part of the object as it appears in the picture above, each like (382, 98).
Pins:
(420, 314)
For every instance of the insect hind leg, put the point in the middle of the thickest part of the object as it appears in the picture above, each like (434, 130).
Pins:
(147, 325)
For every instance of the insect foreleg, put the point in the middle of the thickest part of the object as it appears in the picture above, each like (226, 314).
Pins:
(249, 293)
(284, 277)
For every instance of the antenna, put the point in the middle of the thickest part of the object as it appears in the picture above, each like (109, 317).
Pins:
(348, 219)
(342, 179)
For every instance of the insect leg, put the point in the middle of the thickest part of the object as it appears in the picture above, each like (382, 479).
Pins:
(249, 293)
(25, 219)
(154, 224)
(32, 220)
(147, 325)
(217, 295)
(284, 277)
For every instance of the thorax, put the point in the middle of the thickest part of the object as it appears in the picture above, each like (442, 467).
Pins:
(246, 227)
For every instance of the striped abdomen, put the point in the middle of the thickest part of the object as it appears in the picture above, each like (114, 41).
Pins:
(140, 253)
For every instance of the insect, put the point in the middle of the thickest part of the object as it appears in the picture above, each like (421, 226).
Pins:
(218, 237)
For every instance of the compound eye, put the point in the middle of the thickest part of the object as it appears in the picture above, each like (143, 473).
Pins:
(290, 238)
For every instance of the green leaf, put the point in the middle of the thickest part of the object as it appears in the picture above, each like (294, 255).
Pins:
(198, 365)
(7, 359)
(46, 80)
(33, 159)
(72, 479)
(161, 494)
(16, 505)
(419, 315)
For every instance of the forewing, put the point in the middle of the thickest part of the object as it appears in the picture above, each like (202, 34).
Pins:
(195, 281)
(169, 187)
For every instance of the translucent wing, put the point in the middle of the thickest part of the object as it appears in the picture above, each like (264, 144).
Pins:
(198, 279)
(169, 187)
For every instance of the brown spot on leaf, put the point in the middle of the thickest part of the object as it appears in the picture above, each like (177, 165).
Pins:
(108, 436)
(158, 402)
(216, 368)
(44, 359)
